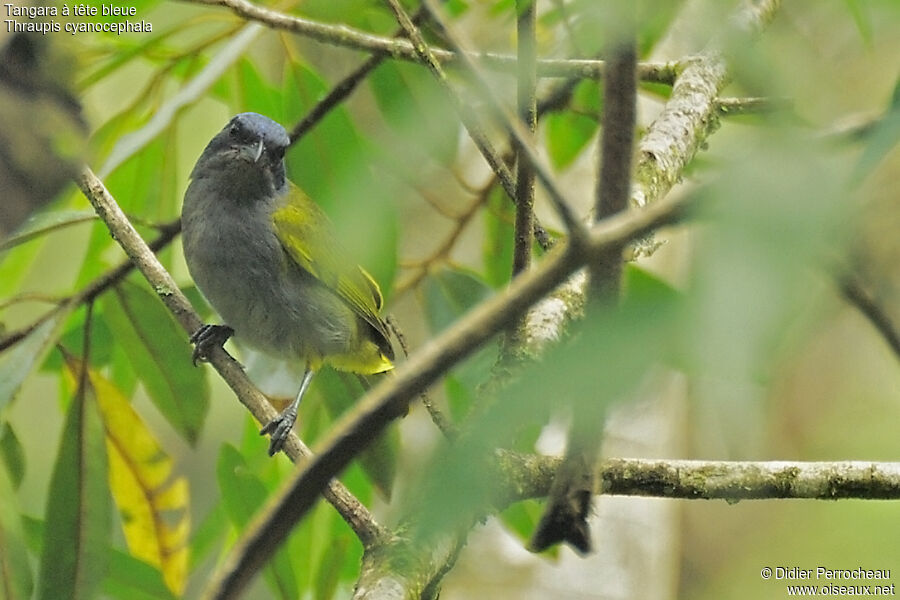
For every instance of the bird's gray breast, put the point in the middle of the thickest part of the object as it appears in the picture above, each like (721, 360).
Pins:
(239, 264)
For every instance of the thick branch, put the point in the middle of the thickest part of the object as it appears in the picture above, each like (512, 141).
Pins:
(348, 37)
(352, 510)
(522, 477)
(732, 481)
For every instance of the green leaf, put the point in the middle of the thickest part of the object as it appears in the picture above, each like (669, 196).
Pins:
(862, 20)
(160, 355)
(16, 583)
(242, 495)
(77, 518)
(449, 294)
(566, 135)
(257, 94)
(43, 223)
(499, 231)
(129, 577)
(339, 392)
(883, 138)
(419, 111)
(208, 535)
(329, 573)
(522, 518)
(11, 455)
(603, 364)
(17, 363)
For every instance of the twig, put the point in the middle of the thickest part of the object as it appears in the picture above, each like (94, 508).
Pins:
(382, 403)
(351, 510)
(441, 421)
(168, 232)
(732, 107)
(855, 293)
(344, 88)
(521, 137)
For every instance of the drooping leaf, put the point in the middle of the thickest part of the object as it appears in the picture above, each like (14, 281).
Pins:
(449, 294)
(43, 223)
(858, 10)
(257, 94)
(604, 363)
(11, 455)
(417, 108)
(77, 517)
(567, 134)
(16, 582)
(129, 577)
(339, 391)
(154, 505)
(242, 495)
(497, 248)
(18, 362)
(158, 350)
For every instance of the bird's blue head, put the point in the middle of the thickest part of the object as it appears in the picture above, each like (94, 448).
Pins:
(250, 148)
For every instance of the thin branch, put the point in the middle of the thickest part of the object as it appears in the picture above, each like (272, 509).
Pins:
(168, 232)
(466, 115)
(733, 107)
(856, 294)
(193, 90)
(381, 404)
(526, 81)
(351, 510)
(344, 88)
(440, 420)
(348, 37)
(515, 130)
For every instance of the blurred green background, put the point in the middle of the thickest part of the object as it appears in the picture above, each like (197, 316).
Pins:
(740, 306)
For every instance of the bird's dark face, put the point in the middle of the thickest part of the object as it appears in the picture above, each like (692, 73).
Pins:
(249, 152)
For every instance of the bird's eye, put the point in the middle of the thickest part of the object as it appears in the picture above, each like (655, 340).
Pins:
(234, 130)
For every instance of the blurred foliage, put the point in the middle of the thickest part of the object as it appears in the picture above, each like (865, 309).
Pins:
(101, 409)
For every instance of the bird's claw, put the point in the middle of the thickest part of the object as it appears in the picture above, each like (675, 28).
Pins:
(206, 338)
(279, 429)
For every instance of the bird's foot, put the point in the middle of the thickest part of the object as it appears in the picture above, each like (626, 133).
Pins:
(208, 337)
(280, 428)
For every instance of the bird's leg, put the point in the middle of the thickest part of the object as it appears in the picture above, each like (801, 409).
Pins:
(280, 427)
(208, 337)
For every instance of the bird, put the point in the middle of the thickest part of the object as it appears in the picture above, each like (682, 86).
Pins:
(266, 258)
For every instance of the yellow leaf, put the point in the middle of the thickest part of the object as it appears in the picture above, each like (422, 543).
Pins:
(152, 502)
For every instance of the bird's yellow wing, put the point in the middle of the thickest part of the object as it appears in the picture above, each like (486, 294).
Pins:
(307, 236)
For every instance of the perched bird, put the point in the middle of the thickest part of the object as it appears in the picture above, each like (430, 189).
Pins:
(265, 257)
